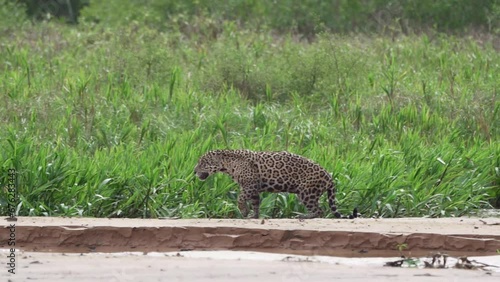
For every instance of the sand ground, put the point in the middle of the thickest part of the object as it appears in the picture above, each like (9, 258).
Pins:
(84, 249)
(228, 266)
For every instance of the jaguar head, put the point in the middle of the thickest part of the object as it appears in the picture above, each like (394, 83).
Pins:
(208, 164)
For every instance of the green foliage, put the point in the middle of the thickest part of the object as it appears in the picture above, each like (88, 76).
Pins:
(306, 17)
(453, 14)
(48, 9)
(12, 15)
(109, 120)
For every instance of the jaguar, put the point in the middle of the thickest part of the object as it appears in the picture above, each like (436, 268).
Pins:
(257, 172)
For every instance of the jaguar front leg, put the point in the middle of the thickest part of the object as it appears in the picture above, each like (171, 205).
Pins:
(242, 205)
(255, 200)
(249, 195)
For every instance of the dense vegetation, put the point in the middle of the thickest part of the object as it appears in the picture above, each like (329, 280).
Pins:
(107, 117)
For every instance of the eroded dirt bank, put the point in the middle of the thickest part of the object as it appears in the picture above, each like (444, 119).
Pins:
(358, 237)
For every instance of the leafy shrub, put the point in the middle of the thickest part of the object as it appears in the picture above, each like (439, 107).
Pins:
(12, 14)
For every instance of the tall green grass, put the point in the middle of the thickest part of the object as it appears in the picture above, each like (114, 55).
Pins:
(110, 122)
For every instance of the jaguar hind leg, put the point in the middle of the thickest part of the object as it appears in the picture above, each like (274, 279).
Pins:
(311, 202)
